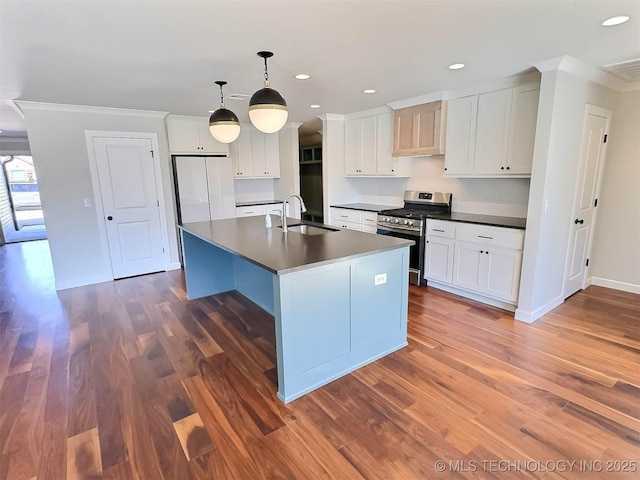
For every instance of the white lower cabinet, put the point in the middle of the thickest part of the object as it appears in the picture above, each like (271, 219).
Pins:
(255, 210)
(481, 259)
(362, 221)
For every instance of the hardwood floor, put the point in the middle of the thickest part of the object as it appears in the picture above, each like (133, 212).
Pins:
(127, 379)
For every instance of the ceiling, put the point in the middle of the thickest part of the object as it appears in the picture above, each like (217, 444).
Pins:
(165, 55)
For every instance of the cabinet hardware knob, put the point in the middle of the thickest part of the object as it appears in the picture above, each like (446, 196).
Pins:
(445, 169)
(578, 221)
(487, 252)
(501, 168)
(508, 168)
(109, 218)
(481, 251)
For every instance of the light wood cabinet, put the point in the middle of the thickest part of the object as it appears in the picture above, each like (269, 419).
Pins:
(492, 134)
(368, 145)
(419, 130)
(255, 154)
(189, 135)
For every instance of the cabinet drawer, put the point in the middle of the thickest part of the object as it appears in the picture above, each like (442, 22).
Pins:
(498, 236)
(441, 228)
(249, 211)
(370, 228)
(369, 219)
(349, 225)
(345, 215)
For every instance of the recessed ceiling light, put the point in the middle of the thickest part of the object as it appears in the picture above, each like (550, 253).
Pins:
(315, 105)
(239, 96)
(303, 76)
(456, 66)
(369, 90)
(617, 20)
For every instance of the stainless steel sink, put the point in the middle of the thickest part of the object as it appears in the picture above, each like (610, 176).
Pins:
(310, 229)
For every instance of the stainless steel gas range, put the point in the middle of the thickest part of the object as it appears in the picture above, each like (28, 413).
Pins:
(410, 223)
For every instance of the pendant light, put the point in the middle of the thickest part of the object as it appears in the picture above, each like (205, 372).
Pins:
(267, 108)
(223, 124)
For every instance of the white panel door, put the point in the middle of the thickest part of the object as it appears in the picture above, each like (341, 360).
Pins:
(127, 179)
(193, 194)
(592, 155)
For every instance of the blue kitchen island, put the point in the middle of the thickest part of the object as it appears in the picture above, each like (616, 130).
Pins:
(339, 297)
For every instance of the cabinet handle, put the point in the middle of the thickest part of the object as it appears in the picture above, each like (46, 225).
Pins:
(437, 230)
(344, 216)
(578, 221)
(482, 236)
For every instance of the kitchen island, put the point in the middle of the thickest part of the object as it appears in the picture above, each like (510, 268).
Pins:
(338, 297)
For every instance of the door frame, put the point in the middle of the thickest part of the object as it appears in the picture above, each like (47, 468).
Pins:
(607, 114)
(90, 135)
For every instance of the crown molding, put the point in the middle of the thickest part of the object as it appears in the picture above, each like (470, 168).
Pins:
(26, 105)
(368, 113)
(331, 116)
(583, 70)
(419, 100)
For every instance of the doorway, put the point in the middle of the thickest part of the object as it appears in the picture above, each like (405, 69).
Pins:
(21, 214)
(311, 182)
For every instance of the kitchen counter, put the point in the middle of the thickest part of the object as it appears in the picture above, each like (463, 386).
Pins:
(492, 220)
(257, 202)
(281, 253)
(367, 207)
(339, 299)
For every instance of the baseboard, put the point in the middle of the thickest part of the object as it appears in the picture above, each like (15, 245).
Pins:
(615, 284)
(530, 317)
(473, 296)
(174, 266)
(81, 282)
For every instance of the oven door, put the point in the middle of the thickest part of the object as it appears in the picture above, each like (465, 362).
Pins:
(416, 252)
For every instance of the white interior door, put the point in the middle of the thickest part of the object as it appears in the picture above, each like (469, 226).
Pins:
(592, 155)
(130, 201)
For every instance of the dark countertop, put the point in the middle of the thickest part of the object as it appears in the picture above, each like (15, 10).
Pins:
(257, 202)
(281, 253)
(491, 220)
(367, 207)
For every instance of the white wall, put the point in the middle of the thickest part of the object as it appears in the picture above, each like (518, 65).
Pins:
(616, 246)
(563, 99)
(58, 146)
(254, 189)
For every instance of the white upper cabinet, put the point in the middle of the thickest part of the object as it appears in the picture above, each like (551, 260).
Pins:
(461, 135)
(368, 148)
(189, 135)
(492, 134)
(360, 146)
(255, 154)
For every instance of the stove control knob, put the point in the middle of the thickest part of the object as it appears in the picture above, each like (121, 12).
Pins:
(406, 222)
(410, 223)
(395, 220)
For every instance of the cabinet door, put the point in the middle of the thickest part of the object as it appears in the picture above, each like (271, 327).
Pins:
(386, 162)
(461, 133)
(467, 266)
(360, 146)
(439, 259)
(251, 211)
(502, 268)
(418, 130)
(492, 132)
(183, 137)
(241, 153)
(428, 129)
(206, 142)
(271, 155)
(403, 128)
(524, 115)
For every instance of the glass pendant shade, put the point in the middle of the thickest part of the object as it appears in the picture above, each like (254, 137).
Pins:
(267, 108)
(223, 123)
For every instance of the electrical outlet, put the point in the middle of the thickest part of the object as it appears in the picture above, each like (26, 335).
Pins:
(87, 202)
(380, 279)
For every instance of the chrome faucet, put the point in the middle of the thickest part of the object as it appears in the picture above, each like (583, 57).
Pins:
(283, 218)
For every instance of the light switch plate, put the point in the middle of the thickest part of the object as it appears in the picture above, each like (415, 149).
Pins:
(380, 279)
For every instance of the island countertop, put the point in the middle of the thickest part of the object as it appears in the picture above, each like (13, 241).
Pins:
(282, 253)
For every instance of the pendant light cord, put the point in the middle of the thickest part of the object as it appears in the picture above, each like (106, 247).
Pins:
(266, 73)
(221, 98)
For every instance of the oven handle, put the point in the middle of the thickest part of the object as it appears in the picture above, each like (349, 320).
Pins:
(413, 233)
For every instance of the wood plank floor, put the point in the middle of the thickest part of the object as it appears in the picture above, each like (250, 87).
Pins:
(127, 379)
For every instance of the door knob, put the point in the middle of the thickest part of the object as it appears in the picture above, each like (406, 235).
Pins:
(109, 218)
(578, 221)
